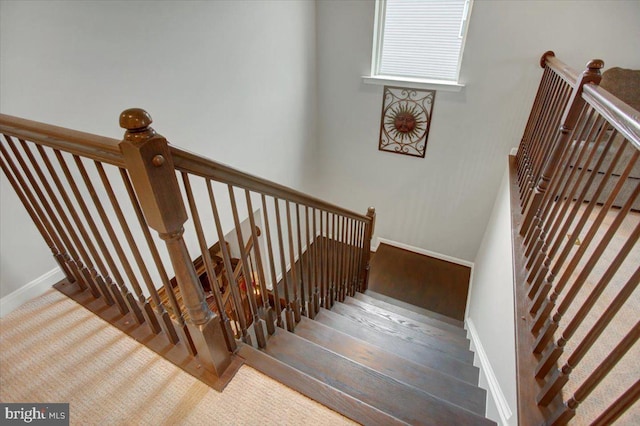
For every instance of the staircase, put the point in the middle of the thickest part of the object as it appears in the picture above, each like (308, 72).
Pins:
(290, 300)
(377, 360)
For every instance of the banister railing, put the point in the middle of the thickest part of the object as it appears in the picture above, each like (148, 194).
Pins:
(282, 254)
(576, 230)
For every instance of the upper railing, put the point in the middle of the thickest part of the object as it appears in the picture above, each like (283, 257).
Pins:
(265, 254)
(576, 230)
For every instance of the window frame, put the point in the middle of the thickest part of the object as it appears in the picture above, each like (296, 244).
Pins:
(423, 83)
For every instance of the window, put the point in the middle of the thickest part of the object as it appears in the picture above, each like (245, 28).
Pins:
(419, 42)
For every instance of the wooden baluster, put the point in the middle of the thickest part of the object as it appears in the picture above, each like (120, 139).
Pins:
(338, 237)
(544, 229)
(525, 174)
(551, 129)
(603, 321)
(289, 317)
(166, 323)
(545, 133)
(332, 261)
(554, 210)
(567, 411)
(310, 266)
(336, 257)
(141, 316)
(268, 313)
(524, 148)
(295, 303)
(540, 141)
(118, 289)
(541, 294)
(75, 247)
(560, 185)
(324, 224)
(354, 257)
(360, 255)
(545, 336)
(98, 286)
(349, 258)
(101, 280)
(303, 280)
(150, 165)
(258, 327)
(35, 212)
(557, 189)
(345, 257)
(316, 260)
(274, 280)
(329, 259)
(75, 265)
(619, 406)
(226, 259)
(568, 121)
(368, 235)
(208, 263)
(319, 261)
(568, 220)
(553, 355)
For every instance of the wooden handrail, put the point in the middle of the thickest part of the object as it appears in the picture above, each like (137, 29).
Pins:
(96, 147)
(198, 165)
(567, 73)
(620, 115)
(106, 150)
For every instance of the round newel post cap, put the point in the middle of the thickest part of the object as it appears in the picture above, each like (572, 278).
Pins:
(371, 211)
(135, 119)
(543, 59)
(595, 64)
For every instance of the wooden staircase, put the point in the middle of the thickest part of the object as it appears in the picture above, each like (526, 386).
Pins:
(378, 361)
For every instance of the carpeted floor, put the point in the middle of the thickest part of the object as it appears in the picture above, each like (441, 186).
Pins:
(53, 350)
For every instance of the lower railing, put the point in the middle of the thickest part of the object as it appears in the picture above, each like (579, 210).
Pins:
(266, 254)
(577, 257)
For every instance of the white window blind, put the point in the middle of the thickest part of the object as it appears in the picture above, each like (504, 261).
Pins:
(420, 39)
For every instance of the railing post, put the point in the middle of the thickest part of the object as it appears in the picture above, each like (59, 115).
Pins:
(567, 124)
(368, 235)
(148, 160)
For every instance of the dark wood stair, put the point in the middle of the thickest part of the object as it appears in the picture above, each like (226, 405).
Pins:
(377, 365)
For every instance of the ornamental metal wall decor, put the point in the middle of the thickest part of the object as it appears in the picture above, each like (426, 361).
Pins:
(405, 121)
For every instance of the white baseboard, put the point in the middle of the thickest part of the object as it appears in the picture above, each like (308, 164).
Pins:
(378, 241)
(30, 290)
(495, 391)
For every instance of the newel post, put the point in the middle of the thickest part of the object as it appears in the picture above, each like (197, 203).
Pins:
(148, 160)
(368, 235)
(567, 125)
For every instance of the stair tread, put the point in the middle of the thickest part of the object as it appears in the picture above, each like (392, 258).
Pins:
(407, 350)
(426, 379)
(414, 308)
(403, 402)
(412, 314)
(456, 337)
(313, 388)
(438, 341)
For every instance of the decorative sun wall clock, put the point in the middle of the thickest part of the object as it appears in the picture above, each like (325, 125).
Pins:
(405, 122)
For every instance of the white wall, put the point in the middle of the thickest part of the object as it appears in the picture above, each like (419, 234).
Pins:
(234, 81)
(442, 202)
(490, 310)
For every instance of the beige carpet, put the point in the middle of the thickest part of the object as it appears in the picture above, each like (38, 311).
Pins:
(53, 350)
